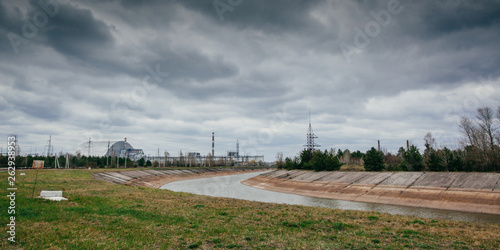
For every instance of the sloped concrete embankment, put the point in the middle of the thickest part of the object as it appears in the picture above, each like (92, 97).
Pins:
(470, 192)
(158, 178)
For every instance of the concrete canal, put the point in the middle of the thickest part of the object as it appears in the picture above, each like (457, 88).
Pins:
(230, 186)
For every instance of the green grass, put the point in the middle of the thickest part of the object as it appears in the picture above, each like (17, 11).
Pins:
(101, 215)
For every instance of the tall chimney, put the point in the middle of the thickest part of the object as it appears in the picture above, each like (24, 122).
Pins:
(237, 148)
(213, 144)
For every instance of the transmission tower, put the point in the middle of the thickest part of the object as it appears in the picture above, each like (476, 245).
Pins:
(89, 146)
(50, 148)
(311, 145)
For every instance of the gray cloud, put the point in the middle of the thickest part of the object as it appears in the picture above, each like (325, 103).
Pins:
(253, 76)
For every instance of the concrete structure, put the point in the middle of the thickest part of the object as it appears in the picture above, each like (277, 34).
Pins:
(232, 158)
(52, 195)
(120, 149)
(158, 178)
(469, 192)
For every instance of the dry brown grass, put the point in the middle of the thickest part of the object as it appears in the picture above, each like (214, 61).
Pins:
(348, 167)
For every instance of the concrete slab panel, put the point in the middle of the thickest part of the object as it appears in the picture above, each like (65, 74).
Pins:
(164, 172)
(282, 175)
(133, 174)
(374, 178)
(120, 175)
(295, 173)
(332, 177)
(308, 175)
(484, 181)
(113, 179)
(351, 177)
(402, 178)
(442, 180)
(276, 173)
(181, 172)
(154, 172)
(315, 176)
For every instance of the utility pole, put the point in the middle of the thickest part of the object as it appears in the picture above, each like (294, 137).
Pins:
(107, 155)
(90, 141)
(67, 161)
(125, 146)
(88, 156)
(50, 146)
(56, 163)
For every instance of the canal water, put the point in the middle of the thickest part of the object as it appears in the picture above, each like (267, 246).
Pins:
(230, 186)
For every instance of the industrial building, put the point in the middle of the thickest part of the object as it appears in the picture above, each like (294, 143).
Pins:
(123, 149)
(120, 149)
(232, 158)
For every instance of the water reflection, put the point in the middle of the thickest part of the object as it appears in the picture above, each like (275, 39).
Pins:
(230, 187)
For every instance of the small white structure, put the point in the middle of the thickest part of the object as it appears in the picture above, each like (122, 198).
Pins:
(52, 195)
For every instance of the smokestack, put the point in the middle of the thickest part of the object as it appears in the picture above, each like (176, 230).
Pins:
(237, 148)
(213, 144)
(407, 145)
(378, 145)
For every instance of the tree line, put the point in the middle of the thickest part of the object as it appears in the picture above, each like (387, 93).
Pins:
(82, 161)
(479, 152)
(74, 161)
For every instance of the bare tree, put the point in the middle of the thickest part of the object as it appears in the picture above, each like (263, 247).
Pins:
(430, 142)
(468, 129)
(482, 139)
(279, 160)
(485, 117)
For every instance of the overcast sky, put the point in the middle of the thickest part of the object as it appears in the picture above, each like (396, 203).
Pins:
(166, 74)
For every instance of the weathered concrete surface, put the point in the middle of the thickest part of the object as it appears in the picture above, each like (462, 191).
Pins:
(158, 178)
(470, 192)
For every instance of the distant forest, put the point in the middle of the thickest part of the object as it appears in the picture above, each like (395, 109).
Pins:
(74, 161)
(479, 152)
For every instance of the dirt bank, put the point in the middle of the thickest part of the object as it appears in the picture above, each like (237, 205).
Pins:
(158, 178)
(469, 192)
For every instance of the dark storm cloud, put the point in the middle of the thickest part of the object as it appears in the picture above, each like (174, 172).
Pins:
(76, 32)
(44, 108)
(273, 16)
(9, 23)
(191, 64)
(438, 18)
(237, 75)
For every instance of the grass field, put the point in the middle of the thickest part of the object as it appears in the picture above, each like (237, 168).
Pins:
(101, 215)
